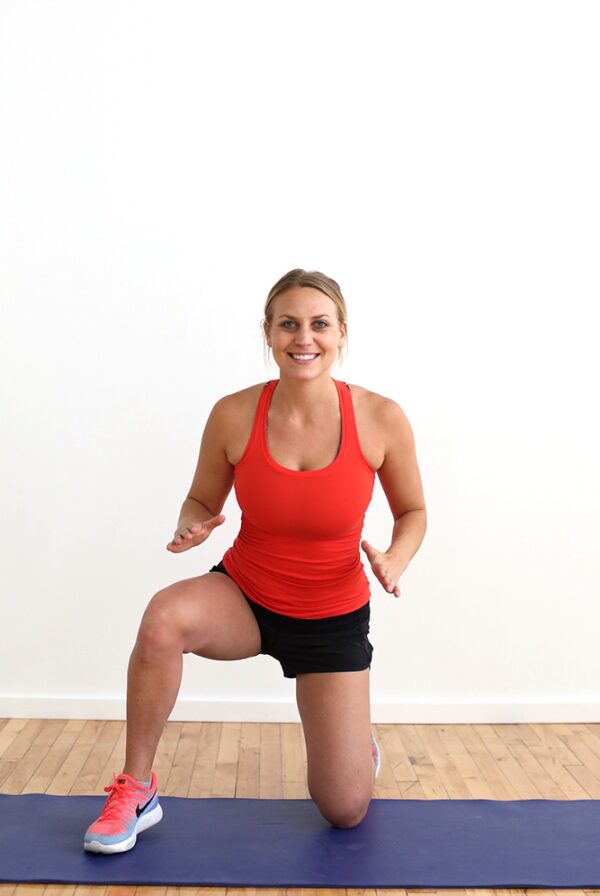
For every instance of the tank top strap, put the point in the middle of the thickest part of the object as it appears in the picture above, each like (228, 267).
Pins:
(260, 420)
(349, 419)
(253, 451)
(259, 430)
(354, 452)
(264, 400)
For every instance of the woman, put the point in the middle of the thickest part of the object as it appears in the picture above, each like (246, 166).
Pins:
(302, 452)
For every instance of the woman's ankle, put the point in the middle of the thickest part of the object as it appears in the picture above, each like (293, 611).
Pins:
(142, 778)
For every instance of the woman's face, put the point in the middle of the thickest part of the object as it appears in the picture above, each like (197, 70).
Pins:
(304, 323)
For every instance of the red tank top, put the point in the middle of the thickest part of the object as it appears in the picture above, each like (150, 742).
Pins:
(297, 551)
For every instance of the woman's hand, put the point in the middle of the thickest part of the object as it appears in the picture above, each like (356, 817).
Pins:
(386, 567)
(189, 536)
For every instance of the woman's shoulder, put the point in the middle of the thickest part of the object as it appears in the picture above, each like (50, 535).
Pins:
(373, 401)
(233, 400)
(236, 411)
(230, 406)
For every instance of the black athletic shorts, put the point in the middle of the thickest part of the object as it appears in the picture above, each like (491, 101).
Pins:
(331, 644)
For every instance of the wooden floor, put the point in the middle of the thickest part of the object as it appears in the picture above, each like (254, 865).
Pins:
(268, 761)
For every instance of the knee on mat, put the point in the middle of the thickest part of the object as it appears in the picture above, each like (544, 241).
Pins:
(348, 816)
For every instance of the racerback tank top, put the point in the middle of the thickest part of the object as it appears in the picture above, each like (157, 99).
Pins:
(297, 551)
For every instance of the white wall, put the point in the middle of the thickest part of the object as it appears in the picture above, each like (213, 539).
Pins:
(161, 166)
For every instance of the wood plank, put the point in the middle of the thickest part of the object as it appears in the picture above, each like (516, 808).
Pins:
(270, 786)
(54, 759)
(30, 889)
(26, 735)
(397, 769)
(179, 778)
(392, 892)
(247, 782)
(424, 785)
(46, 734)
(227, 760)
(86, 890)
(477, 787)
(10, 730)
(554, 757)
(205, 764)
(196, 891)
(91, 779)
(294, 783)
(66, 779)
(165, 753)
(453, 782)
(393, 757)
(543, 785)
(498, 747)
(116, 759)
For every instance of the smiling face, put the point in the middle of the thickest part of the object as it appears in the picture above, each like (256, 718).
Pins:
(305, 322)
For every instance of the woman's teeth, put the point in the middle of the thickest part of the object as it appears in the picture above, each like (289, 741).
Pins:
(303, 359)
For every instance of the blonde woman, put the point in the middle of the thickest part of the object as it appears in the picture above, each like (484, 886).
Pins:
(302, 452)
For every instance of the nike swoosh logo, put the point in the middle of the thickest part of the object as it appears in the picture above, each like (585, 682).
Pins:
(139, 811)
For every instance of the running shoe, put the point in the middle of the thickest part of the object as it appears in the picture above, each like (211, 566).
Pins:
(129, 809)
(376, 755)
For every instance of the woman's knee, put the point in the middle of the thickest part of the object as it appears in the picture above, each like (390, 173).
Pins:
(159, 628)
(344, 804)
(346, 814)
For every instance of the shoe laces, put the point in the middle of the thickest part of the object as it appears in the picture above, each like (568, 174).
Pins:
(120, 793)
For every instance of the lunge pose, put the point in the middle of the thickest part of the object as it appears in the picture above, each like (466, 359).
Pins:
(301, 452)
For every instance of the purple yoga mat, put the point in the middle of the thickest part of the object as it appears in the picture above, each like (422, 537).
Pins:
(287, 843)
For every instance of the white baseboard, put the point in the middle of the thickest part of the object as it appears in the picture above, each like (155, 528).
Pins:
(401, 713)
(114, 708)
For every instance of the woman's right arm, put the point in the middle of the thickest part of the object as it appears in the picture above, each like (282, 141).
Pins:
(212, 482)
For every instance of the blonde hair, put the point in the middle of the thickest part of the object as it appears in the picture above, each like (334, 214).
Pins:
(316, 280)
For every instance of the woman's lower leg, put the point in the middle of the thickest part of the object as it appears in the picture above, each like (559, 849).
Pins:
(153, 683)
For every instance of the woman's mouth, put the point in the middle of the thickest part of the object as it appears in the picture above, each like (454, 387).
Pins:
(303, 358)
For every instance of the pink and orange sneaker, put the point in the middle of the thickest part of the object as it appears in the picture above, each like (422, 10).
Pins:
(129, 809)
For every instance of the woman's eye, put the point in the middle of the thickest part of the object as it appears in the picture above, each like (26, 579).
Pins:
(324, 322)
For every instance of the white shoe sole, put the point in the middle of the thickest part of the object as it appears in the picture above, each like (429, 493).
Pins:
(146, 821)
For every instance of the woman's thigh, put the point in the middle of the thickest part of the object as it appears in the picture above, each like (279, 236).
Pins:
(336, 717)
(207, 615)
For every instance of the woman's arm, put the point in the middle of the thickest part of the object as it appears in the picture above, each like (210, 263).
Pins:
(407, 536)
(213, 478)
(193, 511)
(211, 484)
(401, 481)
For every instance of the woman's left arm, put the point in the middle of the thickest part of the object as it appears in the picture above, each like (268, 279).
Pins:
(401, 481)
